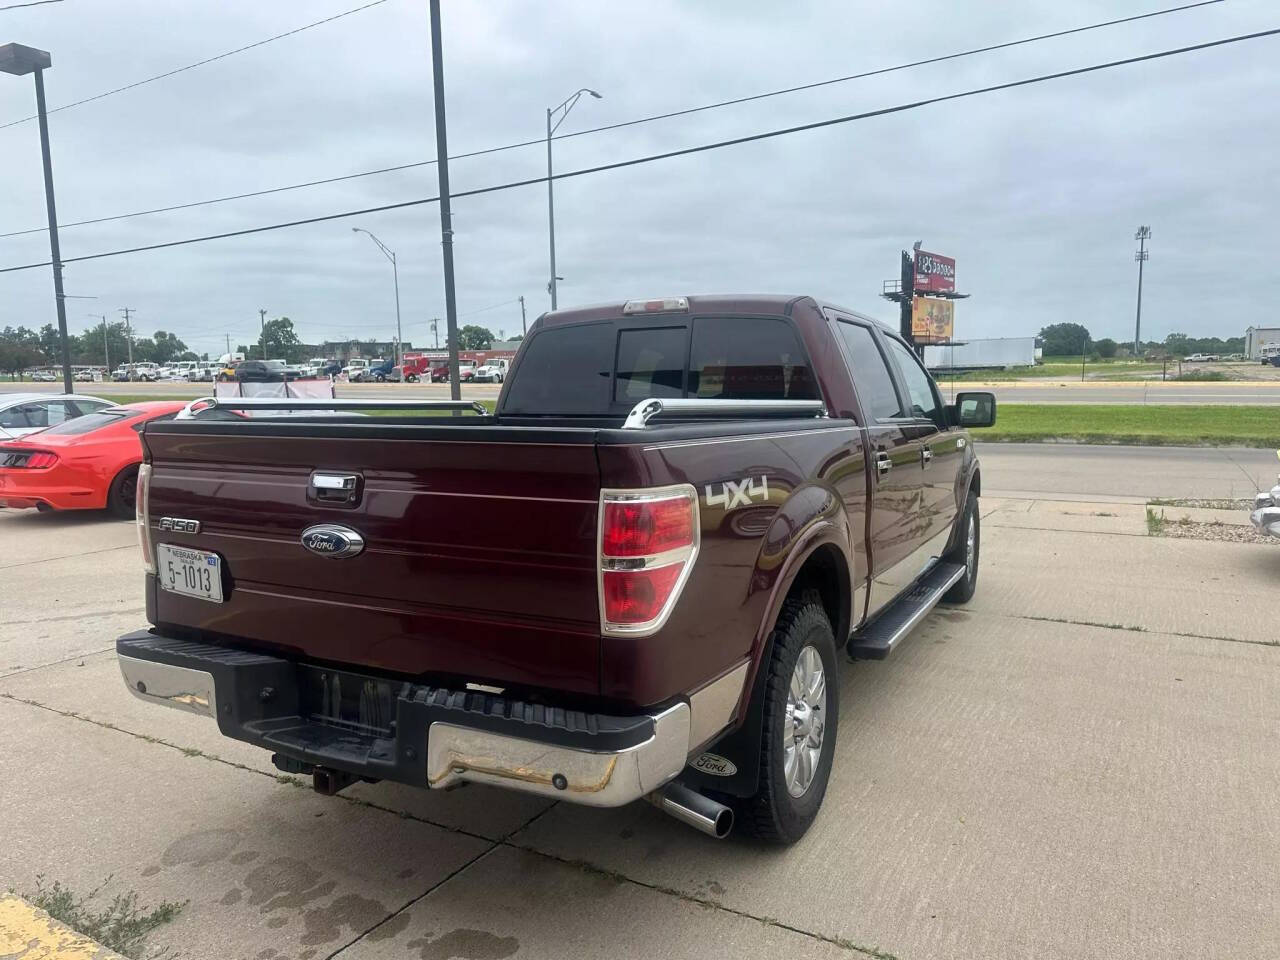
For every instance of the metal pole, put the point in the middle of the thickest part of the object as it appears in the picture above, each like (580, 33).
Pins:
(908, 283)
(128, 335)
(55, 251)
(524, 330)
(395, 274)
(1137, 326)
(551, 214)
(446, 216)
(262, 336)
(1084, 345)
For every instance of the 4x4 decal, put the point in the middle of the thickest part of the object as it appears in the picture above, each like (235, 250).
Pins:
(737, 493)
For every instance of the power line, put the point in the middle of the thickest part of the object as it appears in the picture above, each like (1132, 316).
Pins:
(198, 63)
(684, 151)
(616, 126)
(19, 6)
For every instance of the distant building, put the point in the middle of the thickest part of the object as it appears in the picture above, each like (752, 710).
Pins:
(1255, 338)
(504, 346)
(346, 350)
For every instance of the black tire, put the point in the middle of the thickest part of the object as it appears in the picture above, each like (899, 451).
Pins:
(123, 494)
(963, 589)
(497, 378)
(773, 813)
(411, 378)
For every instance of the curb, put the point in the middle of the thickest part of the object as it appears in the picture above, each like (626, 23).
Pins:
(30, 933)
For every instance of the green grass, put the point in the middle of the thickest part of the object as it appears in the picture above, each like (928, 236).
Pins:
(1154, 425)
(121, 925)
(1061, 370)
(1155, 522)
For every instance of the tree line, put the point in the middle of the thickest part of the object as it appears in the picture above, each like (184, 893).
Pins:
(1073, 339)
(22, 348)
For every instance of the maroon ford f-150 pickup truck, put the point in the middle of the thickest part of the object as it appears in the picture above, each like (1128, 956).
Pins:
(632, 580)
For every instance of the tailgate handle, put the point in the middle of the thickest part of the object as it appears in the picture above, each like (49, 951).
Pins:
(336, 488)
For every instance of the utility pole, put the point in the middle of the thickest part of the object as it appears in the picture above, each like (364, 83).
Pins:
(262, 337)
(106, 348)
(1141, 255)
(228, 336)
(523, 329)
(446, 215)
(128, 333)
(435, 330)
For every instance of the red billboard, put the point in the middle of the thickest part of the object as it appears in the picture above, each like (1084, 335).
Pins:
(934, 273)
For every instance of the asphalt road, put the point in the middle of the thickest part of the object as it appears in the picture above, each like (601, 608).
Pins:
(1079, 764)
(1133, 474)
(1007, 392)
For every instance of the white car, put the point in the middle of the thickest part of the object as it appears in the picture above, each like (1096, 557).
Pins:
(23, 413)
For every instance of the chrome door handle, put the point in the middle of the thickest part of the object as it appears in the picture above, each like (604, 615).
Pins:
(926, 455)
(333, 481)
(883, 463)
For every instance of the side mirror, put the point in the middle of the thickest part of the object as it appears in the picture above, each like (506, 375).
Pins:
(973, 410)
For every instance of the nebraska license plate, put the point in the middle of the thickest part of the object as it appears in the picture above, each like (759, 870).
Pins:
(192, 573)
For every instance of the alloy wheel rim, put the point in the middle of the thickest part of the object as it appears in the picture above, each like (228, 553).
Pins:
(805, 725)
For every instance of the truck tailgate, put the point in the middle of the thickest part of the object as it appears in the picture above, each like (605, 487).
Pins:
(479, 556)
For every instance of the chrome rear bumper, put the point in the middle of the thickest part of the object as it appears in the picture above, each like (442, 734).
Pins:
(439, 738)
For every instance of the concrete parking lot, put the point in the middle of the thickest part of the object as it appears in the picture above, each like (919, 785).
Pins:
(1080, 763)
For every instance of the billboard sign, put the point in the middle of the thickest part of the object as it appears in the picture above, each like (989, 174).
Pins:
(932, 320)
(934, 273)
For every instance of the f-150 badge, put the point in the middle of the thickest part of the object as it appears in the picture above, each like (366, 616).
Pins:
(737, 493)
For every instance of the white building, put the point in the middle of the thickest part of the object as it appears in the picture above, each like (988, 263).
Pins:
(1255, 338)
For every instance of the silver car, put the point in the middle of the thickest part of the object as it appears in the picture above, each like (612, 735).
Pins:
(23, 413)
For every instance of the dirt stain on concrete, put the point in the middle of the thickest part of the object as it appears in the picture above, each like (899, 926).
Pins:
(231, 897)
(392, 928)
(324, 923)
(406, 873)
(243, 857)
(152, 870)
(285, 883)
(201, 848)
(955, 616)
(275, 923)
(465, 944)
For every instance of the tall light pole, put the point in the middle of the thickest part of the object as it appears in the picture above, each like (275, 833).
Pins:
(19, 61)
(563, 110)
(395, 276)
(1142, 254)
(262, 332)
(106, 348)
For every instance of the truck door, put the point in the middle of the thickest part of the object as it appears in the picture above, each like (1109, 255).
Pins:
(895, 444)
(940, 457)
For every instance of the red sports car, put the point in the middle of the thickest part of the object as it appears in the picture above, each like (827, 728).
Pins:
(87, 463)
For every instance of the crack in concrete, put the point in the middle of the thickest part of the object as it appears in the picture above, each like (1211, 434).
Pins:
(504, 841)
(41, 666)
(69, 556)
(73, 616)
(1138, 629)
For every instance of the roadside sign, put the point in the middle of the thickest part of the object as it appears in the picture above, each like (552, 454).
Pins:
(934, 273)
(932, 320)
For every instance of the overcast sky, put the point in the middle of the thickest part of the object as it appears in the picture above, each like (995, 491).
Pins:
(1036, 192)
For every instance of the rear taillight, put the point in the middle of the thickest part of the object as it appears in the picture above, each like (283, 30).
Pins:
(40, 459)
(141, 518)
(647, 545)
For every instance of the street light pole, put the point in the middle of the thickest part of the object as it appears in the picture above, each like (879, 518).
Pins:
(19, 60)
(563, 110)
(395, 276)
(1141, 255)
(106, 347)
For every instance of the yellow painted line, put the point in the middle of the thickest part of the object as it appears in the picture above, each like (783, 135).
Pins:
(27, 933)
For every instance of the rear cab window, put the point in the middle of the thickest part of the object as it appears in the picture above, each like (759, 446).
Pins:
(606, 367)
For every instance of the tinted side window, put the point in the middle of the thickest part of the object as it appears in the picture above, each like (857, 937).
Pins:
(650, 363)
(564, 370)
(871, 377)
(748, 358)
(924, 402)
(16, 417)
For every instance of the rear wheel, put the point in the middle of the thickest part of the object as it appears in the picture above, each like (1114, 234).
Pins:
(966, 551)
(122, 497)
(497, 378)
(801, 708)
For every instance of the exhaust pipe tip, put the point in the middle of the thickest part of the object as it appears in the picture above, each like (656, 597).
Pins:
(692, 808)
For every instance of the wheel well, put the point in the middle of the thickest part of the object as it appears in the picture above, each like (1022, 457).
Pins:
(976, 483)
(825, 570)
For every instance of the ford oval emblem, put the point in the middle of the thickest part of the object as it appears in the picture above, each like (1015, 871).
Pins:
(331, 540)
